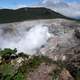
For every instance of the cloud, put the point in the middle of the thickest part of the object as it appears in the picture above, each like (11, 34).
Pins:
(70, 9)
(51, 1)
(75, 5)
(24, 5)
(21, 5)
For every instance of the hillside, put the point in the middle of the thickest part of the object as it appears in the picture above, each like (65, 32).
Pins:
(9, 15)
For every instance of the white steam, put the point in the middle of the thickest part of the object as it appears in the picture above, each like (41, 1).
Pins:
(25, 41)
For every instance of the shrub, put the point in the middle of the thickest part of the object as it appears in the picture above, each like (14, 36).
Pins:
(7, 52)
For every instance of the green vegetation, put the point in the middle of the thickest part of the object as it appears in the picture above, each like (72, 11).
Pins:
(11, 72)
(6, 53)
(7, 71)
(78, 75)
(55, 75)
(8, 15)
(18, 76)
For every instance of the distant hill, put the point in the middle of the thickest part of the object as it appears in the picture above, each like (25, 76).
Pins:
(9, 15)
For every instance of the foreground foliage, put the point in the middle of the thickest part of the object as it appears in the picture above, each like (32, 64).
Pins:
(8, 71)
(11, 72)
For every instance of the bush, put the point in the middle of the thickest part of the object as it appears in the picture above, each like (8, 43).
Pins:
(7, 52)
(18, 76)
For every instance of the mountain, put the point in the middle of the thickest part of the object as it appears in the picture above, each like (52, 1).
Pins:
(21, 14)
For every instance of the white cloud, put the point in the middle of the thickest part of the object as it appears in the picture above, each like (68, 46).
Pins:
(51, 1)
(68, 9)
(75, 5)
(24, 5)
(21, 5)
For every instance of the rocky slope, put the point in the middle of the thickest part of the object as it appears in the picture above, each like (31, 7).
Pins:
(57, 35)
(57, 39)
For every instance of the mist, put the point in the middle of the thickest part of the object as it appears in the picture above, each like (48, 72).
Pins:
(25, 39)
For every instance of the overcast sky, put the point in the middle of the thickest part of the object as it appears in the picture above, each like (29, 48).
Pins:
(69, 8)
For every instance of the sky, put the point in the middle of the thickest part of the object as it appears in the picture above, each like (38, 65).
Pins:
(70, 8)
(16, 3)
